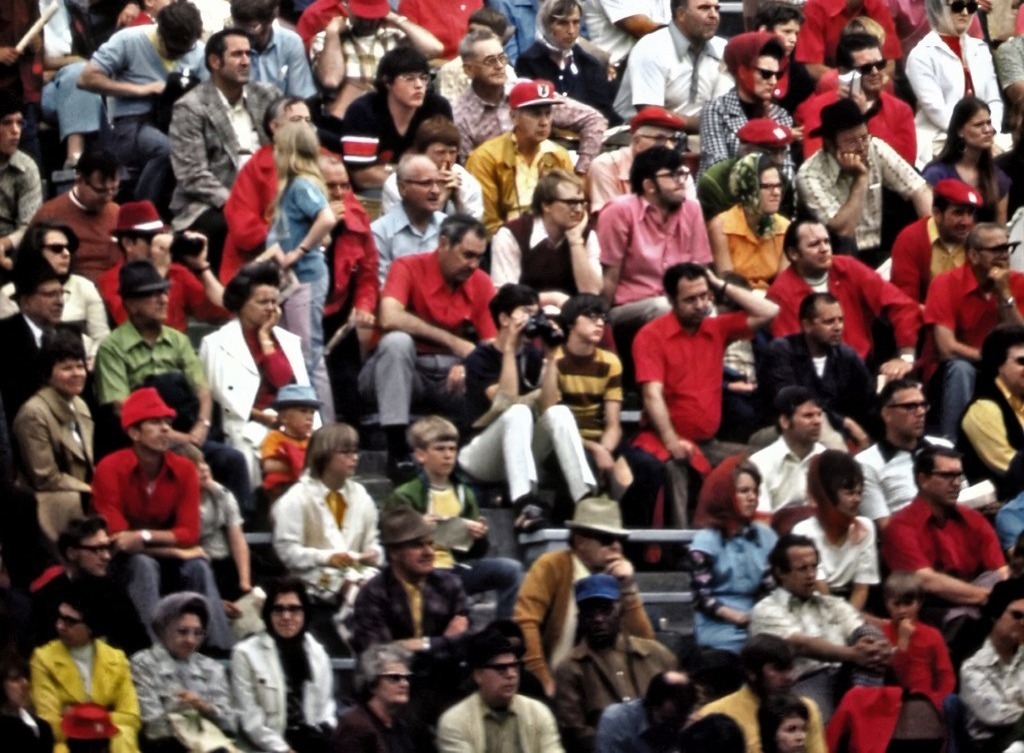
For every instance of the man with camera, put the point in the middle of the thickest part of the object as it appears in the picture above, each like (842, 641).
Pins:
(508, 382)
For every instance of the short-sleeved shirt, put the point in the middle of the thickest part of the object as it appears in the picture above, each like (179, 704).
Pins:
(600, 17)
(853, 562)
(396, 237)
(664, 352)
(416, 282)
(963, 546)
(483, 369)
(218, 511)
(824, 21)
(303, 200)
(124, 360)
(956, 301)
(586, 385)
(283, 63)
(369, 136)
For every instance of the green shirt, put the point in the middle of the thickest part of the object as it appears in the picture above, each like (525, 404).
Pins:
(501, 731)
(124, 360)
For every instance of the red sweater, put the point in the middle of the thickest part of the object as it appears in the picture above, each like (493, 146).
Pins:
(354, 255)
(96, 249)
(924, 667)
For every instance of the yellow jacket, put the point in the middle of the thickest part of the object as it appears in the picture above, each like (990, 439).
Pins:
(493, 163)
(56, 684)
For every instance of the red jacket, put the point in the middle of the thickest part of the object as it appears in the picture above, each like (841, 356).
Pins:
(316, 17)
(247, 211)
(865, 720)
(912, 260)
(354, 256)
(893, 123)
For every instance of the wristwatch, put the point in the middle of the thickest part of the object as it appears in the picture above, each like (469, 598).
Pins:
(1009, 301)
(146, 535)
(426, 643)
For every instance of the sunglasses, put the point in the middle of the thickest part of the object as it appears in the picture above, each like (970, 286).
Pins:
(959, 6)
(574, 203)
(868, 68)
(604, 539)
(397, 677)
(948, 475)
(504, 667)
(767, 75)
(57, 248)
(1003, 249)
(96, 548)
(287, 609)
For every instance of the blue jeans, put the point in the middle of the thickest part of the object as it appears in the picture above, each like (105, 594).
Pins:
(958, 376)
(499, 574)
(76, 110)
(312, 271)
(141, 145)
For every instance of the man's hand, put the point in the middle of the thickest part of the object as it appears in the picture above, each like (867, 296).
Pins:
(895, 368)
(462, 348)
(851, 162)
(999, 279)
(871, 653)
(477, 528)
(341, 560)
(338, 207)
(129, 542)
(197, 262)
(602, 457)
(191, 553)
(337, 25)
(153, 87)
(456, 383)
(362, 319)
(621, 569)
(9, 55)
(857, 433)
(198, 433)
(457, 626)
(682, 449)
(575, 233)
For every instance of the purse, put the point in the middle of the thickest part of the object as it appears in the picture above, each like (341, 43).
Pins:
(198, 734)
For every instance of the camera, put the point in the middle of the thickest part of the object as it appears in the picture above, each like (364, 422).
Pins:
(540, 326)
(183, 246)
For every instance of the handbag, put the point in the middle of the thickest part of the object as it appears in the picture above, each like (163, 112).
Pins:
(198, 734)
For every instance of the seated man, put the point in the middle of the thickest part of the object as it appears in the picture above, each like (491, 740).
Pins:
(817, 358)
(214, 131)
(545, 609)
(551, 248)
(433, 310)
(678, 66)
(509, 166)
(783, 463)
(962, 307)
(767, 662)
(588, 680)
(862, 294)
(650, 724)
(817, 627)
(841, 185)
(933, 245)
(150, 499)
(451, 80)
(133, 66)
(824, 21)
(20, 189)
(278, 56)
(508, 382)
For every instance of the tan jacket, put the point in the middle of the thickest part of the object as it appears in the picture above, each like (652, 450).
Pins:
(461, 728)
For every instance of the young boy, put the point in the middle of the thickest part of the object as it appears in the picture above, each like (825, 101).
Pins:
(921, 661)
(460, 540)
(283, 453)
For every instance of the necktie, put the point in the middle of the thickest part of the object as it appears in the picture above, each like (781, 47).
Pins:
(337, 505)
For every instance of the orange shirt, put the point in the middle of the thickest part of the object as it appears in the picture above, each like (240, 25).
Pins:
(755, 258)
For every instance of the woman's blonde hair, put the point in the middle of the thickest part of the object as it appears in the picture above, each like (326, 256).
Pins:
(296, 155)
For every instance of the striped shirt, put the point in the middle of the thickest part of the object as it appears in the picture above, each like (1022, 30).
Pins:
(585, 384)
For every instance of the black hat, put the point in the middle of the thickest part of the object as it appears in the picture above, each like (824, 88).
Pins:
(140, 278)
(841, 115)
(484, 646)
(1003, 593)
(30, 271)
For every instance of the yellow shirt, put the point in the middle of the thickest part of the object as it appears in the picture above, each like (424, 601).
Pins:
(445, 504)
(742, 707)
(755, 258)
(944, 258)
(983, 425)
(415, 596)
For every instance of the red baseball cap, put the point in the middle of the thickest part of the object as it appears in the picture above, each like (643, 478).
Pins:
(957, 192)
(139, 217)
(369, 8)
(765, 132)
(652, 115)
(532, 93)
(145, 403)
(87, 721)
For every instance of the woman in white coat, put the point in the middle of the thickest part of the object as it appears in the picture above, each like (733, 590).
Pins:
(248, 359)
(946, 65)
(281, 678)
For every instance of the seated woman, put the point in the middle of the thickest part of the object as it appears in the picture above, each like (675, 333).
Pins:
(172, 677)
(552, 248)
(281, 679)
(20, 729)
(54, 434)
(77, 667)
(747, 238)
(250, 358)
(729, 554)
(967, 156)
(846, 542)
(374, 724)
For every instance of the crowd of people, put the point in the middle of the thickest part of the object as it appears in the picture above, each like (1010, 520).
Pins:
(242, 241)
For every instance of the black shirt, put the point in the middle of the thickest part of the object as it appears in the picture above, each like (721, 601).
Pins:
(483, 368)
(368, 134)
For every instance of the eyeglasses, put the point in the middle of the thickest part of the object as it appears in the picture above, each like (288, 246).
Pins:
(105, 188)
(415, 78)
(771, 186)
(504, 668)
(851, 142)
(96, 548)
(57, 248)
(1002, 249)
(438, 182)
(678, 176)
(604, 539)
(959, 6)
(292, 609)
(596, 316)
(185, 632)
(574, 203)
(868, 68)
(911, 407)
(493, 61)
(767, 75)
(53, 294)
(948, 475)
(339, 186)
(68, 620)
(397, 677)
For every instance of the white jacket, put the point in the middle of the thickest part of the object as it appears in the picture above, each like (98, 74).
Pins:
(259, 688)
(936, 75)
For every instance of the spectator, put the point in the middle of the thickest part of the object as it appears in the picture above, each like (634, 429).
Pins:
(380, 126)
(89, 210)
(754, 61)
(585, 684)
(650, 724)
(438, 139)
(20, 189)
(172, 677)
(1009, 64)
(967, 155)
(556, 56)
(747, 238)
(683, 407)
(150, 498)
(817, 359)
(768, 662)
(782, 725)
(281, 679)
(131, 67)
(608, 177)
(1012, 160)
(552, 248)
(214, 131)
(678, 66)
(862, 294)
(615, 27)
(859, 56)
(443, 498)
(932, 245)
(278, 56)
(375, 724)
(452, 80)
(283, 452)
(445, 20)
(946, 65)
(433, 310)
(847, 550)
(783, 464)
(824, 21)
(795, 83)
(545, 607)
(841, 185)
(20, 74)
(520, 33)
(19, 726)
(78, 667)
(729, 554)
(468, 725)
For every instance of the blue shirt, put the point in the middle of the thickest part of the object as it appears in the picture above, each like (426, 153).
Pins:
(283, 63)
(303, 200)
(522, 14)
(396, 237)
(623, 728)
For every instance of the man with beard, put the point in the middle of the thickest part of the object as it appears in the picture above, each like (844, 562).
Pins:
(607, 665)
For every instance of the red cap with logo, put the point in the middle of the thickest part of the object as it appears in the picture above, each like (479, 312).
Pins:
(957, 192)
(652, 115)
(765, 132)
(533, 93)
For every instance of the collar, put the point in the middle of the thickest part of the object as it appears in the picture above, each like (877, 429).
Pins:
(37, 332)
(242, 101)
(134, 337)
(538, 234)
(16, 162)
(679, 41)
(73, 197)
(1017, 403)
(888, 450)
(486, 711)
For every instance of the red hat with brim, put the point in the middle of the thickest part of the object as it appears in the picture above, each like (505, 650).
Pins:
(369, 8)
(765, 133)
(533, 93)
(659, 117)
(957, 192)
(87, 721)
(139, 217)
(144, 404)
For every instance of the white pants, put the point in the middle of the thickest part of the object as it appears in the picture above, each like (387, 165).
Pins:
(510, 448)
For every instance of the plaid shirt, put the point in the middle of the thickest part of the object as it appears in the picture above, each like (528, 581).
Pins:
(361, 54)
(721, 119)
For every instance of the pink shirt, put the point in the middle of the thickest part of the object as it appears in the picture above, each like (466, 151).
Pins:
(608, 178)
(635, 239)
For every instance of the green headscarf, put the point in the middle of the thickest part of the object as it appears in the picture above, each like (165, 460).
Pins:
(745, 185)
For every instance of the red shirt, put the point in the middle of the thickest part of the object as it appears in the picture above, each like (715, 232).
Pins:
(863, 295)
(892, 122)
(824, 21)
(665, 352)
(416, 282)
(956, 302)
(186, 297)
(912, 260)
(247, 211)
(924, 667)
(445, 19)
(964, 546)
(355, 262)
(119, 494)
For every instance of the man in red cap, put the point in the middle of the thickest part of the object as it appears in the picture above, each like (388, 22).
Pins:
(754, 60)
(963, 306)
(932, 245)
(509, 166)
(609, 172)
(150, 499)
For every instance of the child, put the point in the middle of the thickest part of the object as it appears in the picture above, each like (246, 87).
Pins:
(283, 452)
(921, 661)
(460, 540)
